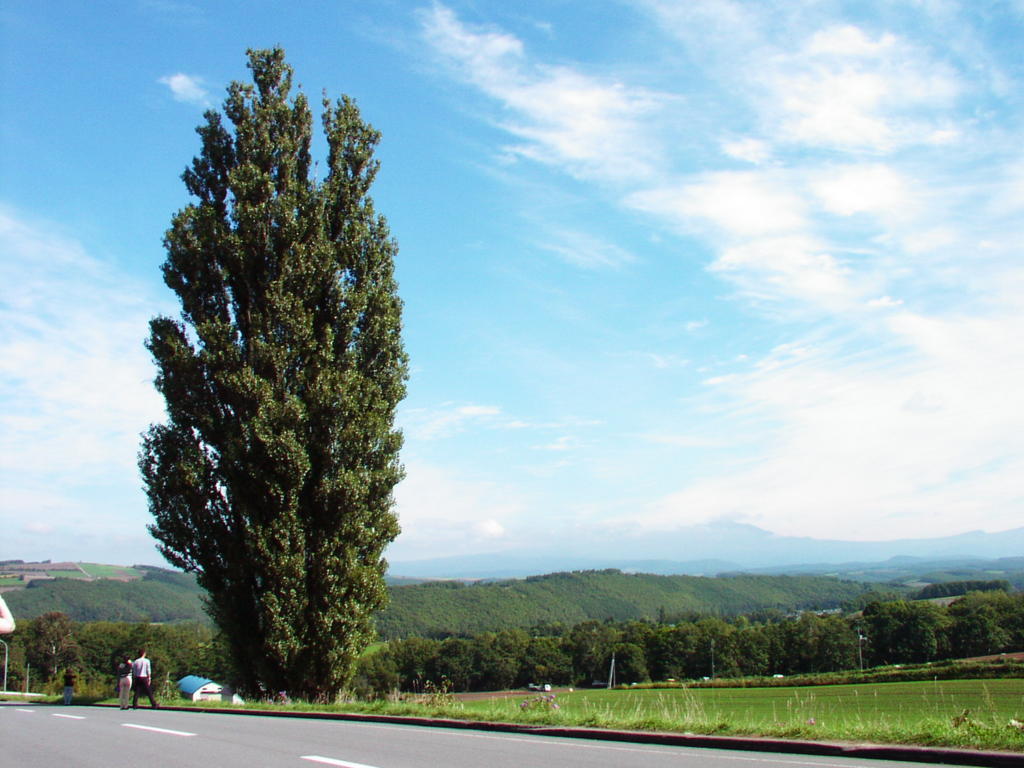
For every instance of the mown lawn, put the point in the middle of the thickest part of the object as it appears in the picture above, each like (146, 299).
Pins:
(100, 571)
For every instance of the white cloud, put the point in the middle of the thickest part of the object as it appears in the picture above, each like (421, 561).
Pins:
(489, 529)
(663, 361)
(187, 88)
(587, 251)
(884, 302)
(75, 386)
(749, 150)
(683, 441)
(558, 445)
(566, 118)
(878, 445)
(74, 375)
(444, 513)
(848, 40)
(897, 406)
(786, 268)
(743, 203)
(872, 188)
(844, 89)
(447, 420)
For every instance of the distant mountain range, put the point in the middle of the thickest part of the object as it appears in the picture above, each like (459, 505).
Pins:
(726, 548)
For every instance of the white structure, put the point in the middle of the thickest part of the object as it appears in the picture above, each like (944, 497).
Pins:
(198, 688)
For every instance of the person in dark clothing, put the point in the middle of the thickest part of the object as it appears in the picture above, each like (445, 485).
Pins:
(69, 685)
(141, 680)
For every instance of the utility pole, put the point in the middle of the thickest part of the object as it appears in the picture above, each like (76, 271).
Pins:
(712, 658)
(611, 673)
(861, 637)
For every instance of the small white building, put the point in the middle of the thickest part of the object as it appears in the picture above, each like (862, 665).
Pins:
(197, 688)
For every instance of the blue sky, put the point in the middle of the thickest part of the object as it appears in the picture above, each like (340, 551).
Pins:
(664, 263)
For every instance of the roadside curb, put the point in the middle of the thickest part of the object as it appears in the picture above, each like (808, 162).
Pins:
(912, 754)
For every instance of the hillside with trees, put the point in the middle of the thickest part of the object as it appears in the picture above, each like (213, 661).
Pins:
(159, 596)
(888, 640)
(884, 638)
(443, 608)
(440, 609)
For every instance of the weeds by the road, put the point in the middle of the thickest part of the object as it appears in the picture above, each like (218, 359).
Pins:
(962, 714)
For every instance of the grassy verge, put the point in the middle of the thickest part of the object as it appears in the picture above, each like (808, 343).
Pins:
(974, 714)
(927, 714)
(996, 667)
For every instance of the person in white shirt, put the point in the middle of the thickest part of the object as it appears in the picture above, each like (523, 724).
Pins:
(141, 672)
(6, 619)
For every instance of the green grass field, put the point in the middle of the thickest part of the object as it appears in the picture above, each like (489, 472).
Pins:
(991, 702)
(929, 713)
(99, 571)
(926, 714)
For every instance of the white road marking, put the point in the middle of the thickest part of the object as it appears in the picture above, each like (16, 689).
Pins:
(69, 717)
(157, 730)
(30, 711)
(332, 761)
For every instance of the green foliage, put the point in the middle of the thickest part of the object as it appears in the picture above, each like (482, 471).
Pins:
(50, 645)
(727, 653)
(955, 588)
(438, 609)
(902, 631)
(161, 595)
(272, 479)
(53, 642)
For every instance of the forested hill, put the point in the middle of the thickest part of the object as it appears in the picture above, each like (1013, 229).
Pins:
(159, 596)
(438, 609)
(441, 608)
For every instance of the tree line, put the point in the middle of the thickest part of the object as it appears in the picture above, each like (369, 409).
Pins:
(764, 644)
(41, 649)
(438, 609)
(889, 632)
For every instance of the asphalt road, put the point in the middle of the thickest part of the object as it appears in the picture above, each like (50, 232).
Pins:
(46, 736)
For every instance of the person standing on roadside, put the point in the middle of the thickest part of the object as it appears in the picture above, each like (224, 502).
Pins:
(6, 618)
(141, 680)
(69, 685)
(124, 681)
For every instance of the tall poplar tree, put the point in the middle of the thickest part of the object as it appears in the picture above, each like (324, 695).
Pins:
(272, 478)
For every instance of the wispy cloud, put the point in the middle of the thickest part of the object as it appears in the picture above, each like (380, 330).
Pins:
(873, 204)
(585, 250)
(738, 203)
(591, 127)
(74, 377)
(446, 420)
(188, 89)
(850, 90)
(443, 512)
(922, 444)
